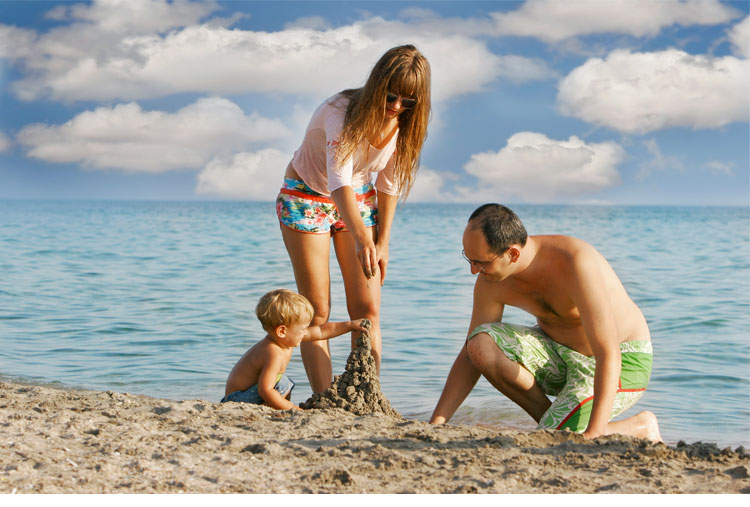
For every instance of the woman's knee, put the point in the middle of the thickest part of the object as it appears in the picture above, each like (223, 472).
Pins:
(316, 347)
(368, 310)
(321, 312)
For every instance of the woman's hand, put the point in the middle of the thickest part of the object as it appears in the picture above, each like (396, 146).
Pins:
(382, 260)
(368, 256)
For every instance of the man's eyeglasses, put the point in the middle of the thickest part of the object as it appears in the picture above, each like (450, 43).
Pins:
(406, 102)
(480, 265)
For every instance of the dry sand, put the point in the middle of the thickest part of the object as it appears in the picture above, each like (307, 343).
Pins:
(70, 441)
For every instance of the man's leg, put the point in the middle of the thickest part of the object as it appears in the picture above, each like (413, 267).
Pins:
(642, 425)
(507, 376)
(573, 404)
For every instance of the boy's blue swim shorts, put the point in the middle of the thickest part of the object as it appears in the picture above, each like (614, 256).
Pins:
(284, 386)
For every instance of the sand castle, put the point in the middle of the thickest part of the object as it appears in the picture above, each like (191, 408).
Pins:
(357, 390)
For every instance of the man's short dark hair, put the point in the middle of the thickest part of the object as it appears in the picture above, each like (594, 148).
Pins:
(500, 226)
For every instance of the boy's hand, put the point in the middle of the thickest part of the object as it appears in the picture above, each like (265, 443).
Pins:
(357, 325)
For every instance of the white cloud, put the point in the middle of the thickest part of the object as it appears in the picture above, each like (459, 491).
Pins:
(127, 137)
(718, 167)
(643, 92)
(535, 168)
(462, 65)
(739, 36)
(129, 56)
(428, 186)
(555, 20)
(4, 143)
(658, 162)
(16, 43)
(246, 175)
(439, 186)
(520, 70)
(135, 16)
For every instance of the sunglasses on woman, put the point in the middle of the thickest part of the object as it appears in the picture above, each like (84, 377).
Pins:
(406, 102)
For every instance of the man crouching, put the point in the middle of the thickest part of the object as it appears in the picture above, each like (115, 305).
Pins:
(591, 347)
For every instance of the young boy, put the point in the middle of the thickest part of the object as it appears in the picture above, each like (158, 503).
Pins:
(258, 377)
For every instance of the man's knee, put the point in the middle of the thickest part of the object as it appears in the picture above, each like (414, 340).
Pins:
(480, 349)
(488, 357)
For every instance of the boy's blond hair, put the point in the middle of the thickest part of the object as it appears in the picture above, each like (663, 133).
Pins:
(282, 307)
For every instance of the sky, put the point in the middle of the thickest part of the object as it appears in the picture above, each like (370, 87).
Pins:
(621, 102)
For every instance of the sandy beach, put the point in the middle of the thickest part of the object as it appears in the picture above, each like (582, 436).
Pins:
(75, 441)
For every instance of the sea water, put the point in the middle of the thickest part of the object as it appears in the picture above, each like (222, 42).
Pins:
(158, 298)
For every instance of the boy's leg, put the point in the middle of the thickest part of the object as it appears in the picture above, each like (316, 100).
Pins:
(309, 255)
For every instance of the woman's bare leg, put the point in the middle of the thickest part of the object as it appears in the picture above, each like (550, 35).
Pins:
(309, 254)
(362, 295)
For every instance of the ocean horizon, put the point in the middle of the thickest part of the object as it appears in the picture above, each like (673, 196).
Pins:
(157, 298)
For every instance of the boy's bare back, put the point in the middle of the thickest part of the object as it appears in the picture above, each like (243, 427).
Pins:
(246, 372)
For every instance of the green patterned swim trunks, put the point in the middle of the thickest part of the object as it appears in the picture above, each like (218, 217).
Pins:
(568, 375)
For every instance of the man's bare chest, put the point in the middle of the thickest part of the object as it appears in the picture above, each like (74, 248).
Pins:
(551, 309)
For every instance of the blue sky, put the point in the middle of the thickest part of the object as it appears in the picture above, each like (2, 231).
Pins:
(542, 101)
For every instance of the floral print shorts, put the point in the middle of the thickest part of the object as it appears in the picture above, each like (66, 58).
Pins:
(302, 209)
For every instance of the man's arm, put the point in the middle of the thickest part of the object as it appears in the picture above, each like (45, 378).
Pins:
(598, 318)
(463, 375)
(461, 380)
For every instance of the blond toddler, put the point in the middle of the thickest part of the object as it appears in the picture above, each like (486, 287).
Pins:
(258, 377)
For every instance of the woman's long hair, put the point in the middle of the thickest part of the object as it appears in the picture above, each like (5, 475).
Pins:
(402, 70)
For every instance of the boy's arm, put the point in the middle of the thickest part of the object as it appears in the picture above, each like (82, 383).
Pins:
(464, 375)
(330, 329)
(267, 381)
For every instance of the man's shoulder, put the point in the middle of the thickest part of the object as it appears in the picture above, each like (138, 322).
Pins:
(564, 247)
(549, 240)
(491, 289)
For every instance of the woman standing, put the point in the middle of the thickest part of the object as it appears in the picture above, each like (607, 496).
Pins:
(327, 192)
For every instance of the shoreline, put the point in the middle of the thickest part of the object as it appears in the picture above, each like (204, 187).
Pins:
(78, 441)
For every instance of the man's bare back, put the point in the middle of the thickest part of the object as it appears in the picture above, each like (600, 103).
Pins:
(543, 289)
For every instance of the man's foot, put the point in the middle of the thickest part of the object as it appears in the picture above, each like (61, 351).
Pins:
(650, 426)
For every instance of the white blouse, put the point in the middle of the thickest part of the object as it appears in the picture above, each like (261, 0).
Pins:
(315, 160)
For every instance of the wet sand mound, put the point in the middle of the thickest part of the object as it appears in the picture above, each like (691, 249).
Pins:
(357, 390)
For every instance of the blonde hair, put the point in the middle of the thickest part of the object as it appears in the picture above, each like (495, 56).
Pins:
(402, 70)
(282, 307)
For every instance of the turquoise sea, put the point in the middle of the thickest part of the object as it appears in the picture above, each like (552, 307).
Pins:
(158, 298)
